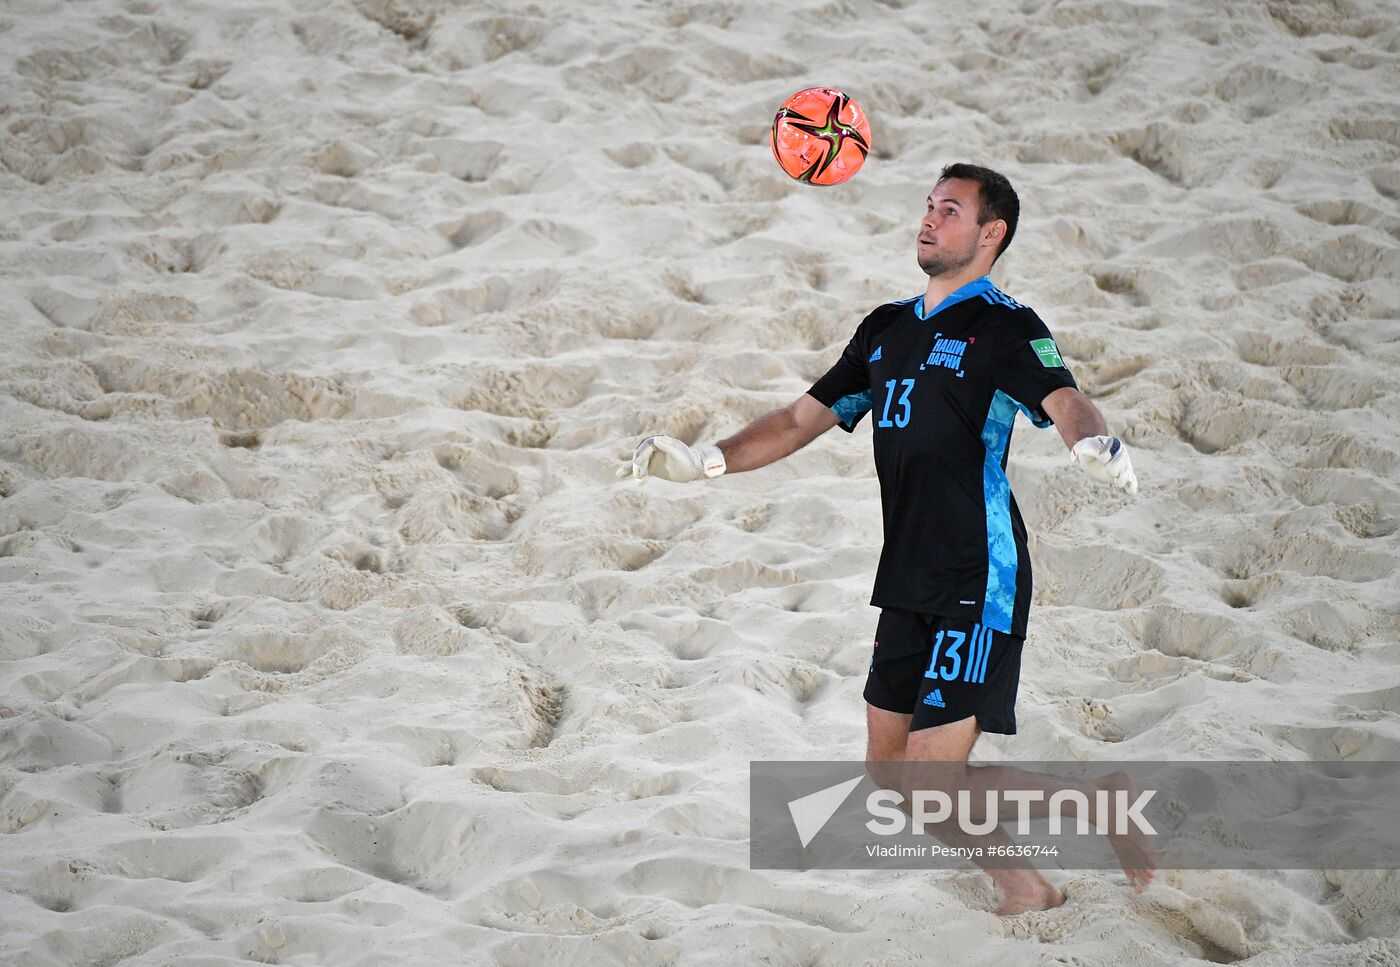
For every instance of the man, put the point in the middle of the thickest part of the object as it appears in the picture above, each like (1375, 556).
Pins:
(943, 376)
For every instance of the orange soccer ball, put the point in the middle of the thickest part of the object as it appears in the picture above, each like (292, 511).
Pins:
(820, 136)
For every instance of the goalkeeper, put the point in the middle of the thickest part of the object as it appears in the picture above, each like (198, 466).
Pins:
(942, 376)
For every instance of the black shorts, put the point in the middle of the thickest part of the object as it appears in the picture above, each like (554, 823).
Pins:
(943, 670)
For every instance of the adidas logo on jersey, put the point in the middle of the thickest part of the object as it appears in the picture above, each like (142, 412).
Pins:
(876, 354)
(935, 698)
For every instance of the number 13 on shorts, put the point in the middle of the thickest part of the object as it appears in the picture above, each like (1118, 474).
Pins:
(964, 653)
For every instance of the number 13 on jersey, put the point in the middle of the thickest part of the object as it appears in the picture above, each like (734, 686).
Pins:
(902, 417)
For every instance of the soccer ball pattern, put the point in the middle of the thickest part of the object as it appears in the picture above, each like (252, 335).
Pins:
(820, 136)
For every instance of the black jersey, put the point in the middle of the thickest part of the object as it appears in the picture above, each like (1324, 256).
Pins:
(943, 389)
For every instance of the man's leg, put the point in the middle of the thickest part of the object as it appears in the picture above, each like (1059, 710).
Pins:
(891, 743)
(887, 733)
(899, 675)
(1021, 890)
(1136, 850)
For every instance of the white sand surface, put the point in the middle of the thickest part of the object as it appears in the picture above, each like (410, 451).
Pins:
(327, 635)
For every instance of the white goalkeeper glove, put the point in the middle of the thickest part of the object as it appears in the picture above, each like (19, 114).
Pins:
(1106, 459)
(670, 459)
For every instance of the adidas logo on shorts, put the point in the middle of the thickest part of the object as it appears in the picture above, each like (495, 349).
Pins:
(935, 698)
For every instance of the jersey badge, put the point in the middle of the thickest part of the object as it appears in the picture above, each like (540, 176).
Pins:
(948, 353)
(876, 354)
(1048, 352)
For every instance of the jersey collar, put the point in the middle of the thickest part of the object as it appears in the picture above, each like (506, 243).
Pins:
(974, 288)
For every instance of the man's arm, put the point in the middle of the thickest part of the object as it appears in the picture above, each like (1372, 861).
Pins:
(770, 437)
(777, 435)
(1074, 415)
(1082, 427)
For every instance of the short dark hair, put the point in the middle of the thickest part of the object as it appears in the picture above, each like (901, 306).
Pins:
(995, 197)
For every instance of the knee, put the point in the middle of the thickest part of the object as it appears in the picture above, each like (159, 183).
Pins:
(884, 762)
(888, 750)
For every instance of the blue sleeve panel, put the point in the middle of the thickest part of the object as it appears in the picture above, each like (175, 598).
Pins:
(849, 409)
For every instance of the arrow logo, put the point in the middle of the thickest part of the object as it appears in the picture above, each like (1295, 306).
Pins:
(811, 812)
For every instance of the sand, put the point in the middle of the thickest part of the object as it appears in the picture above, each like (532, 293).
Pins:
(327, 635)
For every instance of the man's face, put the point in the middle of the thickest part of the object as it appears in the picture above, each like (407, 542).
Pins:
(949, 233)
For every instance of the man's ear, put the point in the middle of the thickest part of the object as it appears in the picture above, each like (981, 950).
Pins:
(994, 231)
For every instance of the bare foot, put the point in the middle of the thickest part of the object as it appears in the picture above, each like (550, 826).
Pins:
(1038, 896)
(1136, 850)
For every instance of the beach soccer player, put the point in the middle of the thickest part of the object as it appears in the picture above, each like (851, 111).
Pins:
(942, 376)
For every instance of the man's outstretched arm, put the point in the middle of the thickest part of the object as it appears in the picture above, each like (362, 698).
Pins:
(1075, 416)
(776, 435)
(1084, 431)
(767, 439)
